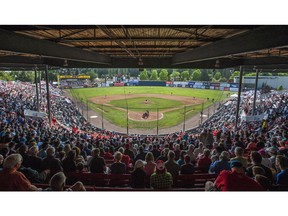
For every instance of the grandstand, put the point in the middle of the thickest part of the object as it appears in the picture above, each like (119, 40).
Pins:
(70, 134)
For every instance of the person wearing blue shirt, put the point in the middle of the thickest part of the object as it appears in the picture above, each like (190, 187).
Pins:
(222, 164)
(282, 177)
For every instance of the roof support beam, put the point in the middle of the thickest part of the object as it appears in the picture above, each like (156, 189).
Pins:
(265, 37)
(14, 42)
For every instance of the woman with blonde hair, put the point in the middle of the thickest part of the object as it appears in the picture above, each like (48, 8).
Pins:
(150, 164)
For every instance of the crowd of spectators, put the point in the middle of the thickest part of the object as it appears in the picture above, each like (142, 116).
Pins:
(255, 153)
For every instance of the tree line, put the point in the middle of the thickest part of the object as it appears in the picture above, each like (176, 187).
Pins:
(212, 75)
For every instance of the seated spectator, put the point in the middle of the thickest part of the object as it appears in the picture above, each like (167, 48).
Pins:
(96, 163)
(222, 164)
(239, 156)
(188, 167)
(50, 162)
(129, 152)
(163, 155)
(161, 179)
(69, 163)
(236, 180)
(259, 176)
(57, 183)
(118, 167)
(13, 180)
(33, 160)
(125, 158)
(282, 177)
(141, 155)
(1, 161)
(181, 159)
(265, 160)
(204, 161)
(138, 175)
(172, 167)
(256, 159)
(150, 164)
(191, 154)
(155, 151)
(199, 151)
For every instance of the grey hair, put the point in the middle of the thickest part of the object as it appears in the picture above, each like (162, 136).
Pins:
(57, 182)
(238, 151)
(12, 160)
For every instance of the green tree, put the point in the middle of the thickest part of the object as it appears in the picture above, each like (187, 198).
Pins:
(92, 75)
(236, 73)
(175, 75)
(280, 88)
(144, 75)
(24, 76)
(217, 75)
(154, 75)
(6, 76)
(163, 75)
(196, 75)
(222, 79)
(185, 75)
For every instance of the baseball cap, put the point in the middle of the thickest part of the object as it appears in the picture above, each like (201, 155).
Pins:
(160, 165)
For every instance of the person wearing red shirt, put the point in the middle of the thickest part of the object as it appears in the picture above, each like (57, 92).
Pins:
(11, 179)
(236, 180)
(204, 162)
(125, 158)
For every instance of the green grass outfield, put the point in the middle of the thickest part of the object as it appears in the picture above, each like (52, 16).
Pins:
(172, 118)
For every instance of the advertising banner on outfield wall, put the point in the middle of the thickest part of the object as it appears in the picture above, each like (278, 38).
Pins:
(234, 85)
(234, 89)
(215, 84)
(226, 88)
(224, 85)
(221, 88)
(216, 88)
(206, 83)
(212, 87)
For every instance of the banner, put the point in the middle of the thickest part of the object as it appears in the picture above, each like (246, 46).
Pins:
(35, 114)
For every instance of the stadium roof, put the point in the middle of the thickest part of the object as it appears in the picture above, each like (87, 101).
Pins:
(144, 46)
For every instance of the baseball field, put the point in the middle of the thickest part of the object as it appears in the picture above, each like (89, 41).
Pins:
(166, 106)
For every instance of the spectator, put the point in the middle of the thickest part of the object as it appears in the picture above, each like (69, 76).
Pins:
(118, 167)
(33, 160)
(259, 176)
(50, 162)
(282, 177)
(69, 163)
(97, 163)
(181, 160)
(222, 164)
(161, 179)
(172, 167)
(125, 158)
(150, 164)
(187, 168)
(256, 161)
(236, 180)
(155, 151)
(13, 180)
(204, 162)
(239, 156)
(57, 183)
(138, 175)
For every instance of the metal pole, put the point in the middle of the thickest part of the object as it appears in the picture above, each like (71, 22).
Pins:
(40, 87)
(36, 85)
(48, 94)
(255, 91)
(87, 110)
(208, 111)
(158, 120)
(82, 107)
(102, 117)
(202, 113)
(238, 99)
(214, 108)
(127, 121)
(184, 119)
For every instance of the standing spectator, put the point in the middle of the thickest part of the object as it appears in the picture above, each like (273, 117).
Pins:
(118, 167)
(161, 179)
(11, 179)
(139, 175)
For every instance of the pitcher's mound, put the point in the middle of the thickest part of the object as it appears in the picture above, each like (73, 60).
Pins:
(137, 116)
